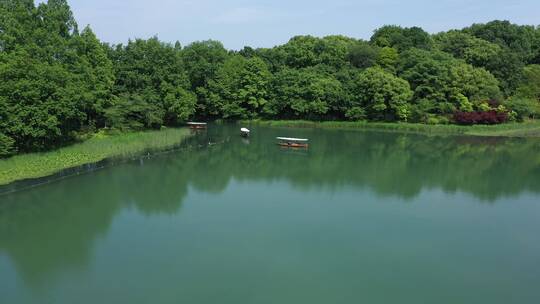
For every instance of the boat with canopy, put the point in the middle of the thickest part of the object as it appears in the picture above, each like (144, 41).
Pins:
(197, 125)
(293, 142)
(244, 132)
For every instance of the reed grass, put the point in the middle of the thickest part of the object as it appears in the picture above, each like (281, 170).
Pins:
(530, 128)
(99, 147)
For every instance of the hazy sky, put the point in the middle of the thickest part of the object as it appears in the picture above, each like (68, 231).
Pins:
(265, 23)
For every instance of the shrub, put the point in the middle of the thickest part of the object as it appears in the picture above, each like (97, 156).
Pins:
(493, 103)
(484, 107)
(513, 116)
(432, 121)
(464, 104)
(356, 113)
(524, 107)
(443, 120)
(486, 117)
(6, 145)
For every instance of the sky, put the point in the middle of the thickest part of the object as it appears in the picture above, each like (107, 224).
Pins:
(266, 23)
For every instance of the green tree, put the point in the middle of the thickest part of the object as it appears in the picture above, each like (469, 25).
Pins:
(388, 58)
(443, 80)
(201, 61)
(309, 51)
(402, 38)
(241, 87)
(178, 103)
(149, 71)
(334, 50)
(303, 93)
(300, 52)
(383, 95)
(524, 107)
(519, 39)
(133, 112)
(530, 84)
(519, 44)
(473, 50)
(6, 145)
(499, 60)
(507, 67)
(362, 55)
(342, 108)
(93, 77)
(45, 84)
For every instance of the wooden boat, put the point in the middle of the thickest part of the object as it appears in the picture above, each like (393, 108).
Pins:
(244, 132)
(197, 125)
(293, 142)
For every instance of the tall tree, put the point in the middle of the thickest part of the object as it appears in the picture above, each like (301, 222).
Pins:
(42, 87)
(473, 50)
(444, 81)
(149, 71)
(362, 55)
(520, 39)
(529, 86)
(241, 87)
(309, 51)
(402, 38)
(388, 59)
(383, 95)
(201, 61)
(93, 77)
(303, 93)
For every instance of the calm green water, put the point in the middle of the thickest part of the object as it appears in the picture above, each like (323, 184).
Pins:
(362, 217)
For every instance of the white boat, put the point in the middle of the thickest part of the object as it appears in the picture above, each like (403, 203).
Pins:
(290, 139)
(197, 125)
(293, 142)
(244, 132)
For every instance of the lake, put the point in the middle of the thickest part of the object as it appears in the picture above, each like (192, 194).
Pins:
(360, 217)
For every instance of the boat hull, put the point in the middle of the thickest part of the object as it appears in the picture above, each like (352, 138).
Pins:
(293, 145)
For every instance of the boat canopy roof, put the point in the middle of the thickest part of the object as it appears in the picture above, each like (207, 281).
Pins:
(293, 139)
(197, 123)
(244, 130)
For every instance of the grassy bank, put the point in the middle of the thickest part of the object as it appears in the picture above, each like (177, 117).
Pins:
(101, 146)
(526, 129)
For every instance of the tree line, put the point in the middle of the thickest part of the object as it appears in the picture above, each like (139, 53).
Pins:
(57, 81)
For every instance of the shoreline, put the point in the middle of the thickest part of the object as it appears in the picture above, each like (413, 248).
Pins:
(101, 147)
(527, 129)
(104, 147)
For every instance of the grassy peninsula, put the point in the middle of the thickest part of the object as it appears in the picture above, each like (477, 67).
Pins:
(99, 147)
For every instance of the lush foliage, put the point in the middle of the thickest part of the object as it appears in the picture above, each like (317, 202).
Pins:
(240, 87)
(57, 82)
(151, 88)
(382, 95)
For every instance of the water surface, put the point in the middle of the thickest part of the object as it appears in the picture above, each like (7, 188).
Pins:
(360, 217)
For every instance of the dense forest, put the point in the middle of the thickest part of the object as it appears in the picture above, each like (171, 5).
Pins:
(58, 81)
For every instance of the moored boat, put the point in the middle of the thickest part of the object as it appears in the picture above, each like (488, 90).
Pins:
(293, 142)
(197, 125)
(244, 132)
